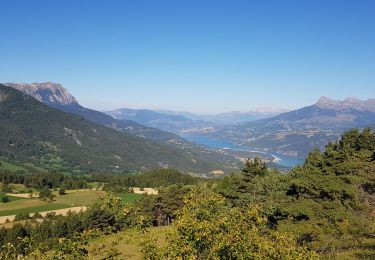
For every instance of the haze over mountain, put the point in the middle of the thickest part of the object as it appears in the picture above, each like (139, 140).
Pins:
(231, 117)
(235, 117)
(297, 132)
(169, 122)
(183, 123)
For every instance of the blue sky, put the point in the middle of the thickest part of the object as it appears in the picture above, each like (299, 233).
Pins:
(199, 56)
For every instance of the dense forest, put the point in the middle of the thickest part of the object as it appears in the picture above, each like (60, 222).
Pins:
(317, 210)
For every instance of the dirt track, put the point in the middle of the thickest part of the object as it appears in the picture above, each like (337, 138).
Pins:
(44, 213)
(20, 195)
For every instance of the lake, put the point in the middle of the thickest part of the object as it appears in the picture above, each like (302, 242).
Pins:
(283, 160)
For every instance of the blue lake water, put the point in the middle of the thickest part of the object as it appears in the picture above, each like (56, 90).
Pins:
(287, 161)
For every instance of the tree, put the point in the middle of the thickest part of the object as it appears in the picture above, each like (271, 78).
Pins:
(315, 159)
(249, 186)
(255, 167)
(105, 214)
(45, 194)
(366, 140)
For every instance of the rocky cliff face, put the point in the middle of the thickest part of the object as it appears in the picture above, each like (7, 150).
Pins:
(48, 93)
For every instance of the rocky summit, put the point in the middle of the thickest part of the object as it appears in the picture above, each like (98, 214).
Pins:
(47, 92)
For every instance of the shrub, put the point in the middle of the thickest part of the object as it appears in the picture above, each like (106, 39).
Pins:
(6, 188)
(22, 216)
(45, 194)
(62, 191)
(5, 199)
(37, 215)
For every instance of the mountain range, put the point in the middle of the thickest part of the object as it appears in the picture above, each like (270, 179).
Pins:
(297, 132)
(292, 133)
(89, 138)
(232, 117)
(184, 122)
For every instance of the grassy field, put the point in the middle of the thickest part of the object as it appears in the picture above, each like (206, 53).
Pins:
(11, 198)
(75, 198)
(80, 197)
(129, 198)
(125, 244)
(20, 188)
(45, 206)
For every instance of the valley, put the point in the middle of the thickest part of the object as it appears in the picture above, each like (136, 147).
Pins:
(187, 130)
(244, 152)
(284, 138)
(281, 139)
(91, 186)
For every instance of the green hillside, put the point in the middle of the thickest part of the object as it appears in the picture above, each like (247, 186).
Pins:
(34, 133)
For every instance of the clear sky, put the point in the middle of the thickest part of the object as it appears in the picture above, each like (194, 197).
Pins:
(199, 56)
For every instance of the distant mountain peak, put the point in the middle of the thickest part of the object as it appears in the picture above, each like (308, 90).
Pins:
(325, 100)
(270, 110)
(348, 103)
(352, 99)
(46, 92)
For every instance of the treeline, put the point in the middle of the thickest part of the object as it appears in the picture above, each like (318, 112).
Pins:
(44, 180)
(154, 178)
(112, 182)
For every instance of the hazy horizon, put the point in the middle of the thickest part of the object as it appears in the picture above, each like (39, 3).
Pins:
(204, 57)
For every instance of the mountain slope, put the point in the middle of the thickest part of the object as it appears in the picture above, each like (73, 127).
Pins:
(32, 132)
(56, 96)
(297, 132)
